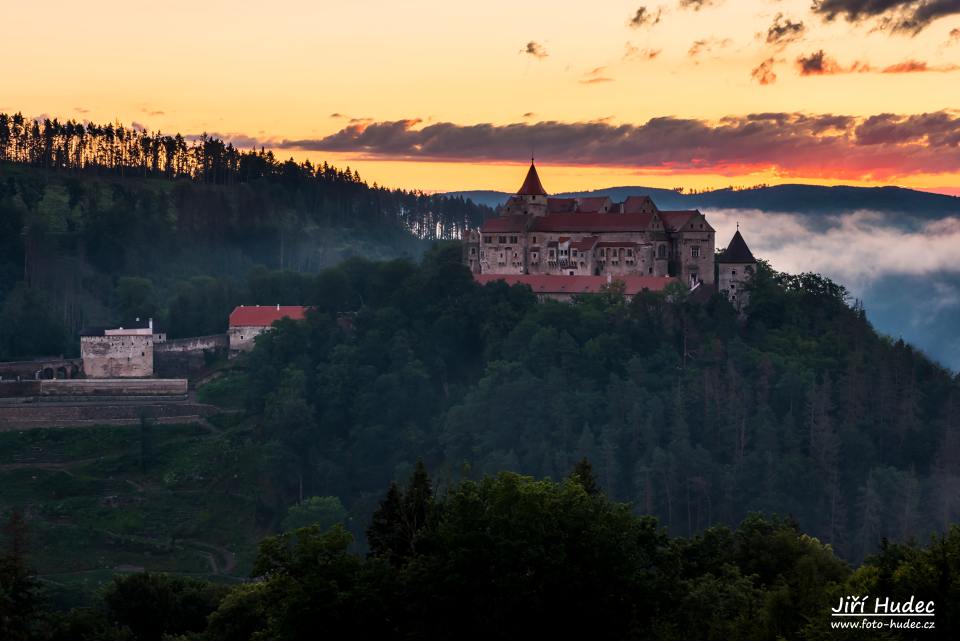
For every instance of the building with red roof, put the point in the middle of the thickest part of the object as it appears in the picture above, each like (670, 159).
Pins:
(535, 234)
(249, 321)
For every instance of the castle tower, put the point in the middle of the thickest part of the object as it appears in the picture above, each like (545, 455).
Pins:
(530, 199)
(735, 267)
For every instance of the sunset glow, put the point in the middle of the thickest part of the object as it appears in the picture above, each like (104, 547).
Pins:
(602, 94)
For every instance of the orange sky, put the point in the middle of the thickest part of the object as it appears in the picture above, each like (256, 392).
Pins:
(278, 71)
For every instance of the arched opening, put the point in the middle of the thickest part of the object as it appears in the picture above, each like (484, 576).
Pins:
(62, 372)
(47, 373)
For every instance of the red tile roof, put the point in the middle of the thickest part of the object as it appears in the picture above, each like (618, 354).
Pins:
(593, 204)
(592, 222)
(503, 224)
(584, 244)
(561, 205)
(257, 316)
(674, 220)
(531, 184)
(556, 284)
(635, 204)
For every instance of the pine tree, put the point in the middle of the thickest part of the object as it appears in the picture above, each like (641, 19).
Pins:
(583, 474)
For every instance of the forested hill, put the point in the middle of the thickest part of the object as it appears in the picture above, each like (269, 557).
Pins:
(685, 412)
(94, 218)
(806, 199)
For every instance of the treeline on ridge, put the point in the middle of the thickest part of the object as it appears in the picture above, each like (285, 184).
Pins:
(83, 206)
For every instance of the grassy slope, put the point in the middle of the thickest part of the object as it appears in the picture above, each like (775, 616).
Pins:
(83, 490)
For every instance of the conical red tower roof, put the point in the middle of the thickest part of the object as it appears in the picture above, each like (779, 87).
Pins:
(531, 185)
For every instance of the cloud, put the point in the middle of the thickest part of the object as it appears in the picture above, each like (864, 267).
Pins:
(763, 73)
(81, 110)
(337, 114)
(645, 17)
(917, 66)
(595, 76)
(632, 52)
(529, 114)
(856, 248)
(139, 126)
(696, 5)
(954, 36)
(707, 45)
(909, 16)
(792, 144)
(783, 31)
(536, 50)
(817, 63)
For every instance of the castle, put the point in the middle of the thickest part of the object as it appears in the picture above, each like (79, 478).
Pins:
(576, 240)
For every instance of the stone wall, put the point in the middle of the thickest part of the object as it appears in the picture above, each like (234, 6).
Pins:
(117, 356)
(194, 344)
(241, 338)
(186, 356)
(114, 387)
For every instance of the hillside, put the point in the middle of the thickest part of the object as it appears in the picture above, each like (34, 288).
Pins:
(685, 413)
(96, 221)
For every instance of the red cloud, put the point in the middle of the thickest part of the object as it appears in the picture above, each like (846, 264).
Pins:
(794, 144)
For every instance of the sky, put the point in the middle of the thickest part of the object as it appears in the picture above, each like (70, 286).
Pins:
(453, 96)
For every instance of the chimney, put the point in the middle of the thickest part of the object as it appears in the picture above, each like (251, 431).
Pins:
(150, 324)
(278, 307)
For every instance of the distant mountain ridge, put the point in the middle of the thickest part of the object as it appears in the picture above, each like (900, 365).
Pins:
(810, 199)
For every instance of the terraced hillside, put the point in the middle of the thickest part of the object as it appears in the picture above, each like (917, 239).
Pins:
(106, 500)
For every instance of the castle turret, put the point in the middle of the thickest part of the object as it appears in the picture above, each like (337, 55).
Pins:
(735, 267)
(530, 199)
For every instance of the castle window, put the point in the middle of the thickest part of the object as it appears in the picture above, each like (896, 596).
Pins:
(488, 239)
(473, 251)
(733, 286)
(534, 240)
(502, 239)
(733, 272)
(573, 252)
(513, 239)
(662, 251)
(629, 252)
(695, 251)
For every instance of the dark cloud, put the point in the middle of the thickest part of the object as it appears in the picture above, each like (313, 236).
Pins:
(817, 63)
(937, 129)
(529, 114)
(696, 5)
(783, 31)
(646, 17)
(536, 50)
(792, 143)
(954, 36)
(337, 114)
(911, 16)
(763, 73)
